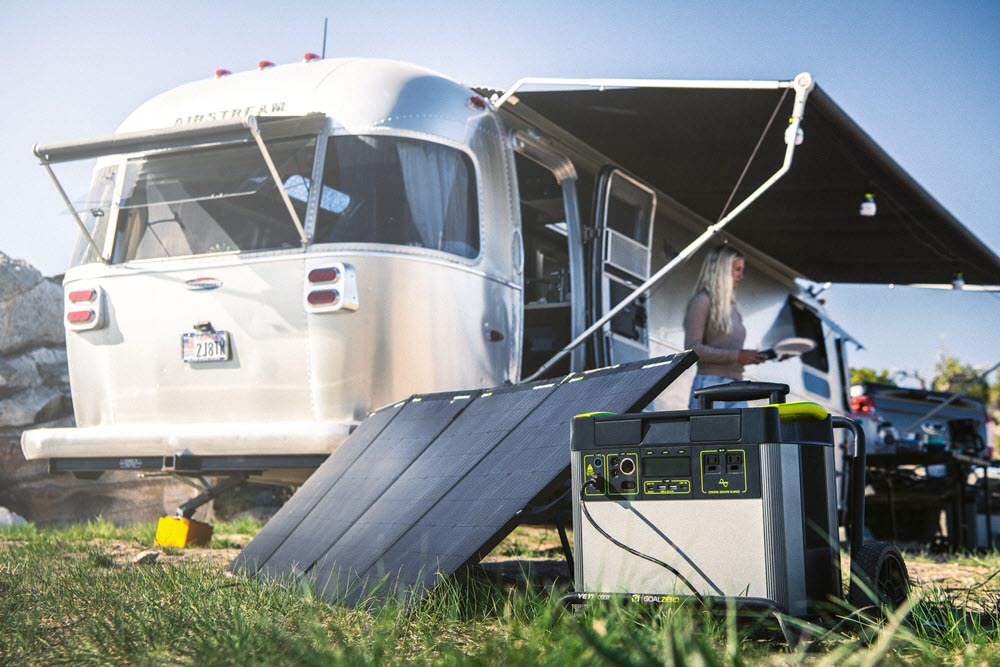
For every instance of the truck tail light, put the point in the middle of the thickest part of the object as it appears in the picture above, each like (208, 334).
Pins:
(863, 406)
(331, 288)
(85, 309)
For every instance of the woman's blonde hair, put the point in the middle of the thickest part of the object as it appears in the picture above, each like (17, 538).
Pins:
(716, 279)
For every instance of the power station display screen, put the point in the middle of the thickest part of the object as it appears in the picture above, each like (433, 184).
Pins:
(666, 466)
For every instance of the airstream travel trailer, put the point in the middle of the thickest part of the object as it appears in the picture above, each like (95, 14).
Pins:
(267, 256)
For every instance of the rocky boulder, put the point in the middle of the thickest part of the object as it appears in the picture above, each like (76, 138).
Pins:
(34, 392)
(30, 308)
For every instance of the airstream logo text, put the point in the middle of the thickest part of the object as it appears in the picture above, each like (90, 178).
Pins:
(230, 114)
(203, 283)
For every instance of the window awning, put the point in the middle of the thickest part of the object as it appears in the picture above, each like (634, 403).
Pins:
(178, 136)
(693, 144)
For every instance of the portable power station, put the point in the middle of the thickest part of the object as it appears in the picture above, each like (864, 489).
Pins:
(721, 504)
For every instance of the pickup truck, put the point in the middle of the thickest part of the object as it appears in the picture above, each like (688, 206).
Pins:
(900, 420)
(926, 453)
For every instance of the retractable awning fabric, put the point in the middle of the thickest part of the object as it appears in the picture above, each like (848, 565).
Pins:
(693, 144)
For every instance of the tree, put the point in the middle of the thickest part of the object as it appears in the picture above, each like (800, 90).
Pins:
(870, 375)
(952, 375)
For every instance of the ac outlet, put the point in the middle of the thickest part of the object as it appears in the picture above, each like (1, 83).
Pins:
(734, 463)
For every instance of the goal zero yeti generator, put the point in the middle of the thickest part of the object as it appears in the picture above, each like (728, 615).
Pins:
(729, 503)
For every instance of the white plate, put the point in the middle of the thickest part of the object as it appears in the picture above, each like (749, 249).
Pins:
(793, 347)
(200, 347)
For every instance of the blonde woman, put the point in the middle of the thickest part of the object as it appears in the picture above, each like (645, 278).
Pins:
(713, 327)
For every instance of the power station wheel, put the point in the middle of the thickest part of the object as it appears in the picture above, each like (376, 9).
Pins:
(878, 577)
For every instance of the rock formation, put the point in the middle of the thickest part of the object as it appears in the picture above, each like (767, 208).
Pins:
(34, 392)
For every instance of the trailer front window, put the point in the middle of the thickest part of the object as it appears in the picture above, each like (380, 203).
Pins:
(207, 200)
(95, 212)
(398, 191)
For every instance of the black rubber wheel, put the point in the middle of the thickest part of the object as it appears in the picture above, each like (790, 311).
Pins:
(878, 578)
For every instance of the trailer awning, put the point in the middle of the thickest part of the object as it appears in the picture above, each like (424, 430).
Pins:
(693, 144)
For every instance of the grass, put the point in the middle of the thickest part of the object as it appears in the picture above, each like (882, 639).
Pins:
(67, 598)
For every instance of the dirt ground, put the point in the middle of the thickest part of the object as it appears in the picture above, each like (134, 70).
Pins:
(931, 572)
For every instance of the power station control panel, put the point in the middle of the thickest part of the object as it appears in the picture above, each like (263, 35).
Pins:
(673, 473)
(669, 456)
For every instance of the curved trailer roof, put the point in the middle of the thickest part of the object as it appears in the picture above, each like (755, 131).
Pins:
(693, 144)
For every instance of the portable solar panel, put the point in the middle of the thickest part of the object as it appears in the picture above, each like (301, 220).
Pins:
(435, 482)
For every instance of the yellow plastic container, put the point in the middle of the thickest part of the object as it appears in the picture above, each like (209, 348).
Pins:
(174, 531)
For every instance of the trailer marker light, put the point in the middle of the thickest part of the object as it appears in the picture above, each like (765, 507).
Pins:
(323, 297)
(80, 296)
(219, 73)
(330, 275)
(477, 102)
(310, 56)
(264, 64)
(79, 316)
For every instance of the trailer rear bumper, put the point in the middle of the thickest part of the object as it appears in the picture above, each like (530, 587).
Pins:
(136, 441)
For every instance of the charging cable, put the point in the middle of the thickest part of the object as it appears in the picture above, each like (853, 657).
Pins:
(593, 481)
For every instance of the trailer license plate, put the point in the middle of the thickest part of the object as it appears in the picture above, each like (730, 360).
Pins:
(198, 347)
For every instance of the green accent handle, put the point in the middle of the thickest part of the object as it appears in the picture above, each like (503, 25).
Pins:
(592, 414)
(800, 410)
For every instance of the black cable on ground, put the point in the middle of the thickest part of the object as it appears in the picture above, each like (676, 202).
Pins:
(592, 481)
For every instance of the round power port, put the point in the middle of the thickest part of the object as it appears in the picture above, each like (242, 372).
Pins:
(627, 466)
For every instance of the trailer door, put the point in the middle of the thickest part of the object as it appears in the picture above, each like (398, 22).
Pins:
(555, 308)
(624, 225)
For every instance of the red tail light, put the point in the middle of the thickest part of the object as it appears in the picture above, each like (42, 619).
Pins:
(79, 316)
(83, 295)
(84, 308)
(308, 57)
(323, 297)
(332, 288)
(330, 275)
(863, 406)
(219, 73)
(264, 64)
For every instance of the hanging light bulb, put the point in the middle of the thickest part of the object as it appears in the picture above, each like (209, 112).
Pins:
(868, 206)
(958, 282)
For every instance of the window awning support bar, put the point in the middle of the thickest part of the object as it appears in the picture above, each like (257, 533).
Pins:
(251, 123)
(76, 216)
(803, 85)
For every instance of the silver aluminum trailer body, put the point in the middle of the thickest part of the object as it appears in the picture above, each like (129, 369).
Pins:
(464, 231)
(299, 376)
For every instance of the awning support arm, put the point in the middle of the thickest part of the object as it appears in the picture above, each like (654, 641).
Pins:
(803, 84)
(643, 83)
(251, 123)
(76, 216)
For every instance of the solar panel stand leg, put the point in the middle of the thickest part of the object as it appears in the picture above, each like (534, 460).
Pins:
(567, 552)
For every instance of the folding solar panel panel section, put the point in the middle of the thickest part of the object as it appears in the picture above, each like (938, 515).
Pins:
(291, 514)
(435, 482)
(478, 511)
(480, 428)
(351, 479)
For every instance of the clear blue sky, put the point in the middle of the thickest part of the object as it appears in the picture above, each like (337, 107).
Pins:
(922, 78)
